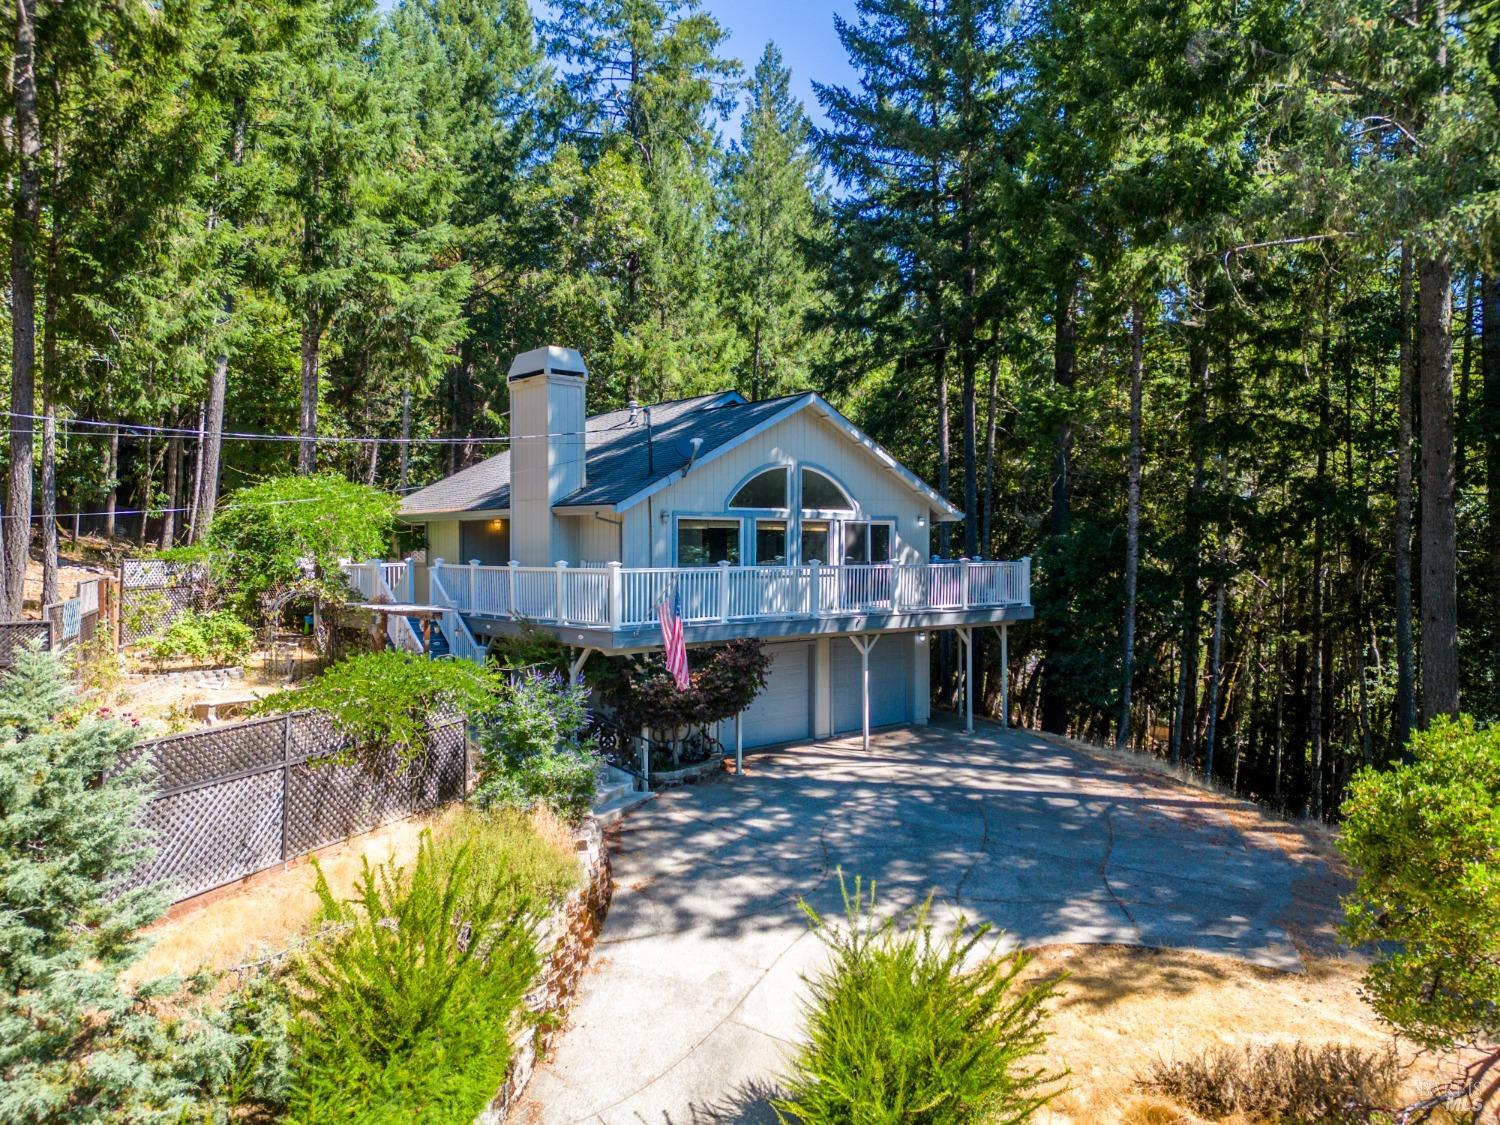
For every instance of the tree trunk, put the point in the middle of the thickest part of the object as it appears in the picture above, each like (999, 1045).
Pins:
(49, 497)
(307, 423)
(25, 213)
(174, 474)
(1490, 363)
(991, 433)
(1132, 522)
(1187, 684)
(1473, 285)
(213, 437)
(1316, 641)
(1439, 523)
(404, 478)
(1064, 373)
(195, 493)
(1406, 694)
(111, 481)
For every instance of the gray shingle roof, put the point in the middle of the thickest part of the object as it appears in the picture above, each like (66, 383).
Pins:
(618, 463)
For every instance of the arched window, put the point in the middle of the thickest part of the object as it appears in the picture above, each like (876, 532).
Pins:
(764, 490)
(821, 493)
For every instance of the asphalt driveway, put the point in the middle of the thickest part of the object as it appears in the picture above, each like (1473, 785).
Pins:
(695, 990)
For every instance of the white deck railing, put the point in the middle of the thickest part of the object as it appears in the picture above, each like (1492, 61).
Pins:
(617, 597)
(380, 582)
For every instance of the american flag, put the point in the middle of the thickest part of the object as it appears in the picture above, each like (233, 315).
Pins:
(669, 612)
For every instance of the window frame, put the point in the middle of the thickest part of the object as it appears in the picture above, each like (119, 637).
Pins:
(679, 518)
(745, 481)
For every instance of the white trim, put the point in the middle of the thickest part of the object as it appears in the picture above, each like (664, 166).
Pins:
(427, 515)
(786, 467)
(945, 511)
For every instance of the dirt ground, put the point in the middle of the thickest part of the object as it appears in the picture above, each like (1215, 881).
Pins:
(1122, 1008)
(259, 915)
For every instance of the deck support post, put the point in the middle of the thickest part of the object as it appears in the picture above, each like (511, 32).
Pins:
(739, 744)
(575, 668)
(1004, 631)
(966, 637)
(865, 643)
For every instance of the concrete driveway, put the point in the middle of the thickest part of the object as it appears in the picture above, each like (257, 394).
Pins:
(695, 992)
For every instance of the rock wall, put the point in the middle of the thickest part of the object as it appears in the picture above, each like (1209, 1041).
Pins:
(570, 933)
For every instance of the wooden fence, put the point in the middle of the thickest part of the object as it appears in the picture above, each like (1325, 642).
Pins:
(234, 800)
(66, 623)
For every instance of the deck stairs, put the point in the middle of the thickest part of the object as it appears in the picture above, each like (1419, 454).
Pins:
(616, 795)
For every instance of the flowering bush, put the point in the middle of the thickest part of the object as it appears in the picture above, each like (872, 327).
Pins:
(725, 679)
(533, 750)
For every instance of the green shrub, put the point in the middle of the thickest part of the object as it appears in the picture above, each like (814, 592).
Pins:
(1424, 842)
(75, 1043)
(220, 637)
(406, 1015)
(384, 700)
(899, 1032)
(642, 694)
(1294, 1085)
(507, 855)
(262, 534)
(532, 749)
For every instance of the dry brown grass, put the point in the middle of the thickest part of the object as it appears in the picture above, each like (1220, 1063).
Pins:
(262, 914)
(265, 913)
(1122, 1010)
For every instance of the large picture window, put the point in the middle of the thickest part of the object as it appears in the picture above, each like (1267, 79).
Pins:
(770, 542)
(815, 541)
(708, 542)
(867, 543)
(821, 493)
(764, 490)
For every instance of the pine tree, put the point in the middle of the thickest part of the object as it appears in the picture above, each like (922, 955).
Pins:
(770, 190)
(74, 1043)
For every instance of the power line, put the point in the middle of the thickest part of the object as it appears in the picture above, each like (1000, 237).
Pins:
(141, 429)
(163, 511)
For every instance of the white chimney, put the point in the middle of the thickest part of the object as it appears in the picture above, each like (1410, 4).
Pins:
(547, 419)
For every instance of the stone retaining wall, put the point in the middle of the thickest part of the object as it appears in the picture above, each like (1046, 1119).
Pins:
(570, 932)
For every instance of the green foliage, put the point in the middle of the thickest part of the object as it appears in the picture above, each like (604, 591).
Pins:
(503, 852)
(219, 637)
(899, 1031)
(263, 534)
(532, 749)
(406, 1014)
(75, 1044)
(385, 701)
(1423, 839)
(725, 679)
(532, 648)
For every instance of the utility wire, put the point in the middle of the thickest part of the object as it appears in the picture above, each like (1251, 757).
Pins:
(134, 429)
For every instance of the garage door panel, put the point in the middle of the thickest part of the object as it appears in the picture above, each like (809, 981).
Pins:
(783, 711)
(890, 683)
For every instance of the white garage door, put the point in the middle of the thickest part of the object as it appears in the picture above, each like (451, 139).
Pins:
(890, 683)
(782, 712)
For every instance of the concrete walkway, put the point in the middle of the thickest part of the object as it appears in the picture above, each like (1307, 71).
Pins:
(695, 993)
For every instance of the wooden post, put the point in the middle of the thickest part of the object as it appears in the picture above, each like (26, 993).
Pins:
(1004, 676)
(968, 639)
(739, 744)
(286, 777)
(560, 595)
(723, 589)
(616, 593)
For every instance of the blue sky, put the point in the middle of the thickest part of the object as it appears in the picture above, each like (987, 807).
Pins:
(803, 29)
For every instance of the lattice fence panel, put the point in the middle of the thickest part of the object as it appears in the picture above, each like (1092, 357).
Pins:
(15, 634)
(154, 593)
(218, 752)
(214, 834)
(237, 799)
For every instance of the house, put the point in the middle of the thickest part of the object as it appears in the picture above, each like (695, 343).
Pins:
(777, 519)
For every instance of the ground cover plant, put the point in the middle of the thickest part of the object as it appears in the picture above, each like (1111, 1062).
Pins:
(901, 1032)
(533, 749)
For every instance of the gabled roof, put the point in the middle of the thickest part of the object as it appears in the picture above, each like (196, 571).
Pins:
(621, 473)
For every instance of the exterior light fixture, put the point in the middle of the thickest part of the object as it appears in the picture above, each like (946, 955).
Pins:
(921, 521)
(921, 638)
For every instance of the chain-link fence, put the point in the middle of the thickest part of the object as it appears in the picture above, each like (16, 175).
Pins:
(154, 592)
(234, 800)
